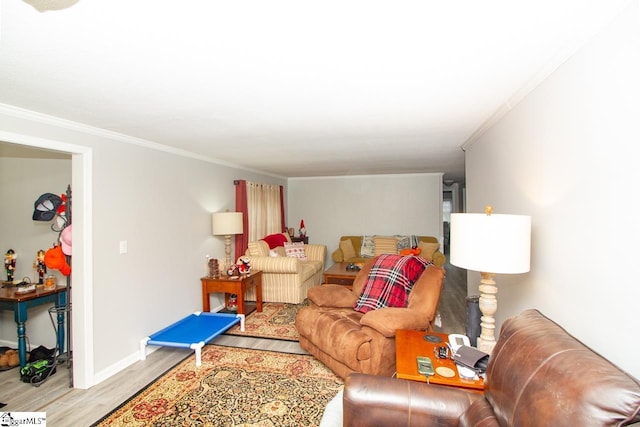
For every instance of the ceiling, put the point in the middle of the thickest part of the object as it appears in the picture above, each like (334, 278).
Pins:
(291, 88)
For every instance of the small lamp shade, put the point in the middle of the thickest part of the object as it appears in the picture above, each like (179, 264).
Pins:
(491, 243)
(226, 223)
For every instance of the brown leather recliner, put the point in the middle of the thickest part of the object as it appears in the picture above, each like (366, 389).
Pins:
(538, 375)
(349, 341)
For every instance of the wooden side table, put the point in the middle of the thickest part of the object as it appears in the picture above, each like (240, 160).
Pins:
(338, 274)
(232, 285)
(303, 239)
(411, 344)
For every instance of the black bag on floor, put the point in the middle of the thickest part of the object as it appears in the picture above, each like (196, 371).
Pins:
(41, 352)
(37, 371)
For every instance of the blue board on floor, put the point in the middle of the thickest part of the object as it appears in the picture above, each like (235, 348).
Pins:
(194, 331)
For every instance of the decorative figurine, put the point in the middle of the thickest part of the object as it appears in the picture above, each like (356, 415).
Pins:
(50, 282)
(303, 230)
(41, 267)
(244, 265)
(233, 271)
(232, 302)
(10, 264)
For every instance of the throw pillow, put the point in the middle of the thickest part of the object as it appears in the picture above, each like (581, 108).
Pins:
(295, 250)
(368, 248)
(275, 240)
(427, 249)
(389, 282)
(348, 251)
(385, 245)
(404, 242)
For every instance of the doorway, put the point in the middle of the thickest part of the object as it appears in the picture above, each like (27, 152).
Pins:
(82, 321)
(450, 204)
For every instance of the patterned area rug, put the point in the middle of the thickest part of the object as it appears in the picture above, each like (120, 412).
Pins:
(276, 321)
(233, 387)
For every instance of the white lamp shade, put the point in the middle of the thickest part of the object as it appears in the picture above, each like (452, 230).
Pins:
(491, 243)
(226, 223)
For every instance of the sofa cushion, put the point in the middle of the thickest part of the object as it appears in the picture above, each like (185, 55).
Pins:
(258, 248)
(385, 245)
(295, 250)
(389, 282)
(404, 242)
(367, 249)
(348, 251)
(330, 295)
(344, 339)
(427, 249)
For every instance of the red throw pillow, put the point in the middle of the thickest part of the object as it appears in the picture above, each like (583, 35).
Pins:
(275, 240)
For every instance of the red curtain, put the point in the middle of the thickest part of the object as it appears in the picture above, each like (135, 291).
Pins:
(242, 240)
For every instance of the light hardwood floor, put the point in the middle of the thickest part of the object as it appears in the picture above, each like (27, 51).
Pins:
(66, 406)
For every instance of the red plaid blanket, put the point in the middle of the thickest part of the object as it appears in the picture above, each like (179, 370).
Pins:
(390, 281)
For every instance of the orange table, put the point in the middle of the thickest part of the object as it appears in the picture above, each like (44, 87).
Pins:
(411, 344)
(233, 285)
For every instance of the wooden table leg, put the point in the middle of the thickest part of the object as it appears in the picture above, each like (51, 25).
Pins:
(206, 307)
(240, 298)
(259, 296)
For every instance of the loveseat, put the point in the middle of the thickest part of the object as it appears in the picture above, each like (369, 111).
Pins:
(349, 341)
(538, 375)
(360, 249)
(285, 278)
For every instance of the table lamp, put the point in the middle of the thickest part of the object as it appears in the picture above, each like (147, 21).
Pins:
(491, 244)
(227, 224)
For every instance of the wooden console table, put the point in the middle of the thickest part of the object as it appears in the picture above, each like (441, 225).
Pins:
(19, 303)
(232, 285)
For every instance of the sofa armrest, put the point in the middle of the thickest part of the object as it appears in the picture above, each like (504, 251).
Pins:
(439, 258)
(335, 296)
(389, 319)
(377, 400)
(316, 252)
(337, 255)
(280, 264)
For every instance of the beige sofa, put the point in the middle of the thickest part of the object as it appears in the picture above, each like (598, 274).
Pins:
(350, 248)
(285, 279)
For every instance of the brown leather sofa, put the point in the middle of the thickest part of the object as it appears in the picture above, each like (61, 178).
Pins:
(538, 375)
(349, 341)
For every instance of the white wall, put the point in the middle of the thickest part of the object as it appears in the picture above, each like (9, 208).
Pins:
(160, 203)
(567, 156)
(364, 205)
